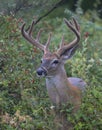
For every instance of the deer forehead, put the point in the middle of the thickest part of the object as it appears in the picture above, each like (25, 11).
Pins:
(50, 56)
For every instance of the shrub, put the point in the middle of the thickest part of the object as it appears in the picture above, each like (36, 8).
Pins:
(24, 103)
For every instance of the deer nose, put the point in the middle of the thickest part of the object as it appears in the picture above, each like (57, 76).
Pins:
(41, 72)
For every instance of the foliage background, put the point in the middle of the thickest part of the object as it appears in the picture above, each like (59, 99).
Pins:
(24, 102)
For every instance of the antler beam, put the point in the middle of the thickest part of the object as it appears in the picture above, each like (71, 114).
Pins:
(28, 36)
(73, 25)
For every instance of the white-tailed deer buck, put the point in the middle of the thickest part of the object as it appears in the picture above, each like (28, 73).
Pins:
(60, 88)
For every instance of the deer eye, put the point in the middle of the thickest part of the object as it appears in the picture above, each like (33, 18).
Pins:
(55, 62)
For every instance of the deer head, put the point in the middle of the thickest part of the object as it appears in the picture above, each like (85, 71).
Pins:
(51, 62)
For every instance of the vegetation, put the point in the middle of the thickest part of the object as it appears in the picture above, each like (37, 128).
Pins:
(24, 103)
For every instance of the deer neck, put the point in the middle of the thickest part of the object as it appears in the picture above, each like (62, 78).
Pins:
(59, 88)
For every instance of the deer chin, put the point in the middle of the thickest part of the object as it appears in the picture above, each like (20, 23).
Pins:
(49, 76)
(44, 76)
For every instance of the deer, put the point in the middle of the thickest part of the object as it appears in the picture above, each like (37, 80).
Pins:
(61, 89)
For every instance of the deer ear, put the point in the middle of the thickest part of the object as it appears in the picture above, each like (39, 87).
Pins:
(67, 54)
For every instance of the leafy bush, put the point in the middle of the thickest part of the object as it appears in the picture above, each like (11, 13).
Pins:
(24, 103)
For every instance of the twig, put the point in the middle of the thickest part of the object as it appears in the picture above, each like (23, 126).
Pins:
(52, 9)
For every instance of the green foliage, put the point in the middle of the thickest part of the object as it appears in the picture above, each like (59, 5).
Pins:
(19, 86)
(89, 116)
(24, 103)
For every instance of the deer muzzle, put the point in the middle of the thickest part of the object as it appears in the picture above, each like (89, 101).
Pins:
(41, 71)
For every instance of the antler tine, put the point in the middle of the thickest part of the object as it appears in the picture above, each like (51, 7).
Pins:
(76, 24)
(39, 33)
(31, 28)
(48, 42)
(73, 25)
(73, 22)
(22, 29)
(62, 42)
(27, 35)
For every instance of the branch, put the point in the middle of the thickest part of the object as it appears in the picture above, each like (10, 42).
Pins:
(52, 9)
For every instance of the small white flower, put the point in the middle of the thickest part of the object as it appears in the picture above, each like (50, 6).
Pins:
(100, 60)
(52, 107)
(91, 60)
